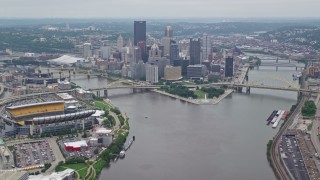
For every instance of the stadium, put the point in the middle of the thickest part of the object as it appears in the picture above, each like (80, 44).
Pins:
(44, 118)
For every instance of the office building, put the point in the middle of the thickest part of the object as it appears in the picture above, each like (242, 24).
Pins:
(194, 51)
(216, 68)
(172, 73)
(139, 32)
(174, 52)
(166, 46)
(207, 64)
(168, 32)
(206, 46)
(161, 62)
(228, 70)
(87, 50)
(105, 52)
(137, 54)
(140, 71)
(197, 71)
(119, 43)
(143, 52)
(184, 65)
(152, 75)
(154, 52)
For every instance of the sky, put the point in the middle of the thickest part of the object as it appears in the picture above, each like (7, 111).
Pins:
(158, 8)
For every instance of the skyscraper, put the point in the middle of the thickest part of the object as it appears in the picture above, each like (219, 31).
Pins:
(168, 32)
(139, 32)
(174, 52)
(166, 45)
(206, 46)
(87, 50)
(228, 70)
(119, 43)
(166, 40)
(152, 73)
(195, 51)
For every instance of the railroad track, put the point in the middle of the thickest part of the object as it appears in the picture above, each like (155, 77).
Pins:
(278, 165)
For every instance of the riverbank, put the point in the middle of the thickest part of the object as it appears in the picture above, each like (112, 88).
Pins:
(92, 167)
(212, 101)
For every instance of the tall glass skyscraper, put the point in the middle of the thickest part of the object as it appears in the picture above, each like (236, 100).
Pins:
(139, 32)
(195, 51)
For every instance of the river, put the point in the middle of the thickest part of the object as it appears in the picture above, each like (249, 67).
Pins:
(183, 141)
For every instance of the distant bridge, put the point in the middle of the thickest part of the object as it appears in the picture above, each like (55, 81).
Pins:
(258, 83)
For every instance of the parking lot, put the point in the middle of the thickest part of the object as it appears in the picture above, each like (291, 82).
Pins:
(31, 154)
(292, 157)
(83, 153)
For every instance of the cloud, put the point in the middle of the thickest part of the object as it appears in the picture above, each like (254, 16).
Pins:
(159, 8)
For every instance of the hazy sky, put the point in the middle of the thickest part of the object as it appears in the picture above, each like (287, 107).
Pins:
(158, 8)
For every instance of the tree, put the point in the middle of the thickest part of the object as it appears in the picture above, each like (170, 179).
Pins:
(96, 151)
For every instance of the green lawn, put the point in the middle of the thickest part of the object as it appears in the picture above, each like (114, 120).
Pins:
(83, 173)
(81, 168)
(200, 94)
(309, 127)
(102, 104)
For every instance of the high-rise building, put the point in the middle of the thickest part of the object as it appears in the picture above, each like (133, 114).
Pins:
(139, 31)
(228, 70)
(154, 51)
(206, 46)
(144, 54)
(184, 65)
(119, 43)
(166, 44)
(168, 32)
(105, 52)
(137, 54)
(87, 50)
(195, 51)
(174, 52)
(140, 71)
(152, 73)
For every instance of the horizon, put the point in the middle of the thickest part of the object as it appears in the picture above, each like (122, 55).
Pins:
(159, 9)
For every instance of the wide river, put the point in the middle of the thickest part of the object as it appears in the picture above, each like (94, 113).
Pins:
(182, 141)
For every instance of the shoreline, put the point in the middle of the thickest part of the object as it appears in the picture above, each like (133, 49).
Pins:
(212, 101)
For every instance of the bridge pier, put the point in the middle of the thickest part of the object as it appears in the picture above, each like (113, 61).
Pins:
(239, 89)
(248, 90)
(98, 93)
(88, 76)
(105, 92)
(247, 77)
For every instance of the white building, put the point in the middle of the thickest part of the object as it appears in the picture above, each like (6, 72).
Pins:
(87, 50)
(119, 43)
(152, 74)
(67, 174)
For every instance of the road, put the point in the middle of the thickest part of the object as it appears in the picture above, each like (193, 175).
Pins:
(275, 154)
(315, 127)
